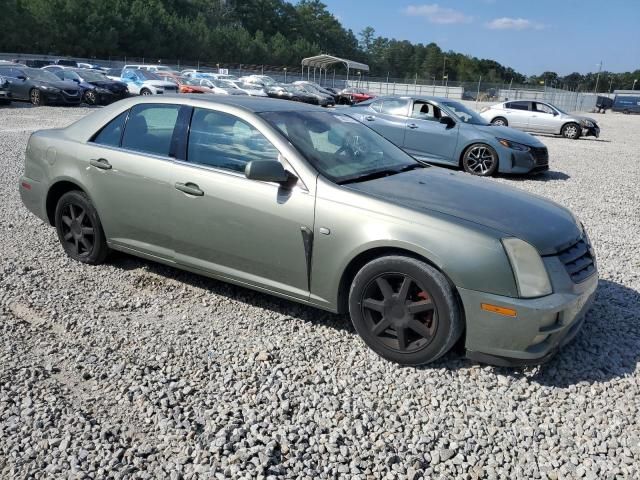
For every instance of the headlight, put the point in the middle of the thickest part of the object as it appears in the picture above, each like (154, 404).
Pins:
(528, 268)
(513, 145)
(587, 123)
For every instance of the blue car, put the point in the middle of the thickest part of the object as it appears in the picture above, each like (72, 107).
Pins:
(96, 88)
(443, 131)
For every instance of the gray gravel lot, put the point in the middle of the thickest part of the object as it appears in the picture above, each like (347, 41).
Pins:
(136, 370)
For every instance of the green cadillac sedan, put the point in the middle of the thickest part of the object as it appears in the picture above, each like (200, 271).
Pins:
(313, 206)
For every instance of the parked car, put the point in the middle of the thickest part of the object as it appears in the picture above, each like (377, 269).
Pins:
(145, 82)
(248, 88)
(262, 80)
(540, 117)
(319, 209)
(5, 91)
(218, 87)
(441, 130)
(626, 104)
(66, 62)
(37, 63)
(323, 90)
(40, 87)
(150, 68)
(353, 95)
(290, 92)
(114, 73)
(96, 88)
(323, 99)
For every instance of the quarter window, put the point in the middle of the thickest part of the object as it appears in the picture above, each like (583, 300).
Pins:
(150, 128)
(224, 141)
(112, 132)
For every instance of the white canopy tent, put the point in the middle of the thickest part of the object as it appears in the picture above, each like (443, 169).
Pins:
(322, 62)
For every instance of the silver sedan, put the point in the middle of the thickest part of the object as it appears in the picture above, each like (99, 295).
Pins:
(540, 117)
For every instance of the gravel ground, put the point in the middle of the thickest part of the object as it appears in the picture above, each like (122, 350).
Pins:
(135, 370)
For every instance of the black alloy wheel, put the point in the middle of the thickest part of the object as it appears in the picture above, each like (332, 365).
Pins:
(79, 228)
(404, 310)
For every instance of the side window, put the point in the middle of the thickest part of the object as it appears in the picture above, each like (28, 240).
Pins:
(425, 111)
(518, 105)
(224, 141)
(394, 107)
(111, 132)
(376, 106)
(150, 128)
(542, 108)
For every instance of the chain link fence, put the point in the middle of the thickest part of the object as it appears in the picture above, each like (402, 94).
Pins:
(480, 92)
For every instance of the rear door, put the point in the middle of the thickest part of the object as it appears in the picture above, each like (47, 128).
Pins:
(129, 171)
(428, 139)
(518, 114)
(388, 117)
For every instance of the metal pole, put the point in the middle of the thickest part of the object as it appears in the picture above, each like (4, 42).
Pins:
(478, 94)
(598, 77)
(387, 83)
(333, 81)
(444, 68)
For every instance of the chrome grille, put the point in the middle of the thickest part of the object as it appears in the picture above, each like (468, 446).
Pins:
(579, 261)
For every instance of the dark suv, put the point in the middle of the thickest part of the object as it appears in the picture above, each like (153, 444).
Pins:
(39, 86)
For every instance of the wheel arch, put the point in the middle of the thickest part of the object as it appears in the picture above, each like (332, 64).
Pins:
(469, 143)
(364, 257)
(56, 191)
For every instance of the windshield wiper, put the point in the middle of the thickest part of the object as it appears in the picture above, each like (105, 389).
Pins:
(369, 176)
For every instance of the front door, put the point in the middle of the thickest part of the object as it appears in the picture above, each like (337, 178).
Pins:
(388, 117)
(129, 175)
(242, 230)
(543, 119)
(428, 139)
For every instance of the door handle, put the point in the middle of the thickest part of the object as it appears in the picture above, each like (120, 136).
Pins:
(412, 125)
(101, 163)
(369, 118)
(190, 188)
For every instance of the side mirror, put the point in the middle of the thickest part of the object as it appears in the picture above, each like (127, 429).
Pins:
(76, 80)
(266, 171)
(448, 121)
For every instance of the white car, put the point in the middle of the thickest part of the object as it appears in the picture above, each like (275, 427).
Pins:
(143, 82)
(262, 80)
(540, 117)
(248, 88)
(151, 68)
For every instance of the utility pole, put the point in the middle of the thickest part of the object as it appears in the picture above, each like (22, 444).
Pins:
(598, 77)
(444, 69)
(634, 84)
(478, 94)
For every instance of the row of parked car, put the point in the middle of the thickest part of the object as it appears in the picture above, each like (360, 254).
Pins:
(62, 83)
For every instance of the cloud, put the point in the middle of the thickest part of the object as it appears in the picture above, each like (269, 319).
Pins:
(506, 23)
(434, 13)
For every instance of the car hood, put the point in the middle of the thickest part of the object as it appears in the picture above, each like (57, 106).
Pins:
(583, 118)
(62, 85)
(510, 134)
(544, 224)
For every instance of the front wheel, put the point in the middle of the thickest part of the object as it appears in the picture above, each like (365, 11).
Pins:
(571, 131)
(480, 159)
(145, 91)
(79, 228)
(404, 310)
(35, 97)
(90, 97)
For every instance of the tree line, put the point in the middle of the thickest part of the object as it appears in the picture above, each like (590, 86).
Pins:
(269, 32)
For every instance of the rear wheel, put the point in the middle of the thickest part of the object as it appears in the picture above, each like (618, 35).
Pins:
(404, 310)
(500, 122)
(79, 228)
(35, 97)
(571, 131)
(480, 159)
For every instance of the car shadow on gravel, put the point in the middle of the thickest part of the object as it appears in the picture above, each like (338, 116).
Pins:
(606, 348)
(548, 176)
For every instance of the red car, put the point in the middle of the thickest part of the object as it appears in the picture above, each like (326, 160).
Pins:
(185, 85)
(352, 95)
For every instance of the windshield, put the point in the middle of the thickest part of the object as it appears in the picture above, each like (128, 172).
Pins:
(465, 114)
(339, 147)
(558, 109)
(41, 75)
(89, 76)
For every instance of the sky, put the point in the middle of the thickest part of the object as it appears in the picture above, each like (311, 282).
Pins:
(531, 36)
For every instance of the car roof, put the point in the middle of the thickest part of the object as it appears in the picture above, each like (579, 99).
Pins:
(426, 98)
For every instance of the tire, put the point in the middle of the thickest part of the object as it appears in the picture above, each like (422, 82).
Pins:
(35, 97)
(386, 322)
(625, 111)
(90, 97)
(79, 229)
(480, 159)
(571, 131)
(146, 91)
(500, 122)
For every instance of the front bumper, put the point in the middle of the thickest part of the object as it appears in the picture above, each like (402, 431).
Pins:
(61, 98)
(591, 131)
(542, 325)
(518, 162)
